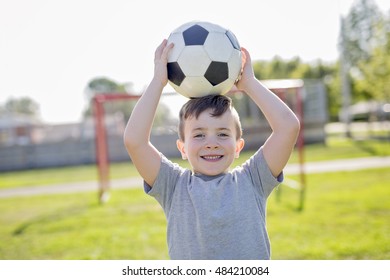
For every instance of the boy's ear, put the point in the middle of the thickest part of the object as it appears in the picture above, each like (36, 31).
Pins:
(180, 147)
(240, 143)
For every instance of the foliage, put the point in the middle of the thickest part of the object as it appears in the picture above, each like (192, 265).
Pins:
(364, 44)
(104, 85)
(364, 47)
(365, 39)
(23, 105)
(295, 68)
(376, 70)
(359, 33)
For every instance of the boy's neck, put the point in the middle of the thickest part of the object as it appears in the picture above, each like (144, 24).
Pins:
(208, 177)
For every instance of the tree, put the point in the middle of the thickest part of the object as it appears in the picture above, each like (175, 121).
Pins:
(23, 105)
(278, 68)
(360, 31)
(376, 70)
(105, 85)
(360, 37)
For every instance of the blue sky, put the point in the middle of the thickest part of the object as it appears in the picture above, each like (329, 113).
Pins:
(49, 50)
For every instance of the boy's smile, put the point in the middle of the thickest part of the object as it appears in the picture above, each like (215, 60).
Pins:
(210, 143)
(211, 157)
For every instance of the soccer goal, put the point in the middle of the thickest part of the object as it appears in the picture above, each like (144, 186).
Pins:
(101, 143)
(290, 91)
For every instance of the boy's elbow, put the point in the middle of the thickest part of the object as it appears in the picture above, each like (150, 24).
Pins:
(296, 124)
(130, 142)
(293, 125)
(127, 141)
(296, 127)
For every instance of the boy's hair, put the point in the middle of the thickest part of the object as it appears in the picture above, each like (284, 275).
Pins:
(219, 104)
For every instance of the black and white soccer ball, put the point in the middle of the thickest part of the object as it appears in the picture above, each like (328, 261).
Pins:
(205, 59)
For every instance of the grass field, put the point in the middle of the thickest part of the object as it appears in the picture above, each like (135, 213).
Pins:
(346, 216)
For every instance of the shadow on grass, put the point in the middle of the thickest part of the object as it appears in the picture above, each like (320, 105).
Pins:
(370, 147)
(56, 216)
(291, 202)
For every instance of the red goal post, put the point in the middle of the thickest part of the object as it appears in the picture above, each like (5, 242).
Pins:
(101, 145)
(282, 88)
(294, 87)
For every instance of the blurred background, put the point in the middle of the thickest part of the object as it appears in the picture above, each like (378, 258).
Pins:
(56, 56)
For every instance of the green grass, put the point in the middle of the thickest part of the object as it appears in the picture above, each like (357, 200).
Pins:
(75, 226)
(50, 176)
(346, 216)
(340, 148)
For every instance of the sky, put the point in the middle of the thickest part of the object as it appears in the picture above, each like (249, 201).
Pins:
(51, 49)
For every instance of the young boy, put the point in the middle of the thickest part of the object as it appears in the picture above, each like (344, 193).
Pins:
(212, 213)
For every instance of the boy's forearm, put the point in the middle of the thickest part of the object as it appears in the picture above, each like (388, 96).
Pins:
(140, 123)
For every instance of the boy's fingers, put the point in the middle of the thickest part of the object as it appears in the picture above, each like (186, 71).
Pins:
(245, 56)
(159, 50)
(166, 51)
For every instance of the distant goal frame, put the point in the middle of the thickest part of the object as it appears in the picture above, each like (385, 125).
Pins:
(279, 87)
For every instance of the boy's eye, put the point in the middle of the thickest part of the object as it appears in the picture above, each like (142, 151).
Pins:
(223, 135)
(199, 136)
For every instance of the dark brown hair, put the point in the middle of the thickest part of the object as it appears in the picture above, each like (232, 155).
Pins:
(219, 104)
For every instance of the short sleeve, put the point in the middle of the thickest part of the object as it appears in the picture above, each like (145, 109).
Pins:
(261, 174)
(164, 186)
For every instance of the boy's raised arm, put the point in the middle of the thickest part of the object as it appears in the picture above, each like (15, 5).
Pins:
(144, 155)
(284, 124)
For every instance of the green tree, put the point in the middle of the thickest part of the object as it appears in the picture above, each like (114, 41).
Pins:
(105, 85)
(108, 86)
(360, 31)
(376, 70)
(23, 105)
(295, 68)
(361, 36)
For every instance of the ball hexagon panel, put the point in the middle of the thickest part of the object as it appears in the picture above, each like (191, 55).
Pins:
(178, 40)
(213, 45)
(193, 61)
(235, 64)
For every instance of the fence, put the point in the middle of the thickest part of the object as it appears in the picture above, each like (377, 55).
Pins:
(79, 151)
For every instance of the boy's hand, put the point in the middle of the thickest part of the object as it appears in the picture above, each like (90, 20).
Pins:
(160, 62)
(247, 73)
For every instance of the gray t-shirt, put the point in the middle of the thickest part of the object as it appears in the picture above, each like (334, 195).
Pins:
(220, 217)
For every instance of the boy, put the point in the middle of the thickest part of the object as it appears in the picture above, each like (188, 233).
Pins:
(212, 213)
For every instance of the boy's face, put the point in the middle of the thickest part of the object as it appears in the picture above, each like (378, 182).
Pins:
(210, 143)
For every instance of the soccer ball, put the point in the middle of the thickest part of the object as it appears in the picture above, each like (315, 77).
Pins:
(205, 59)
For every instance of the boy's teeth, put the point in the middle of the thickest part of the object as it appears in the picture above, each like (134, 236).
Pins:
(212, 157)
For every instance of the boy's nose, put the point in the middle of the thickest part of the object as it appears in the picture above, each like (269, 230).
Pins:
(211, 146)
(212, 143)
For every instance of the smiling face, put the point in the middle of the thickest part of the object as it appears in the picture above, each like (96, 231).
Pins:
(211, 143)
